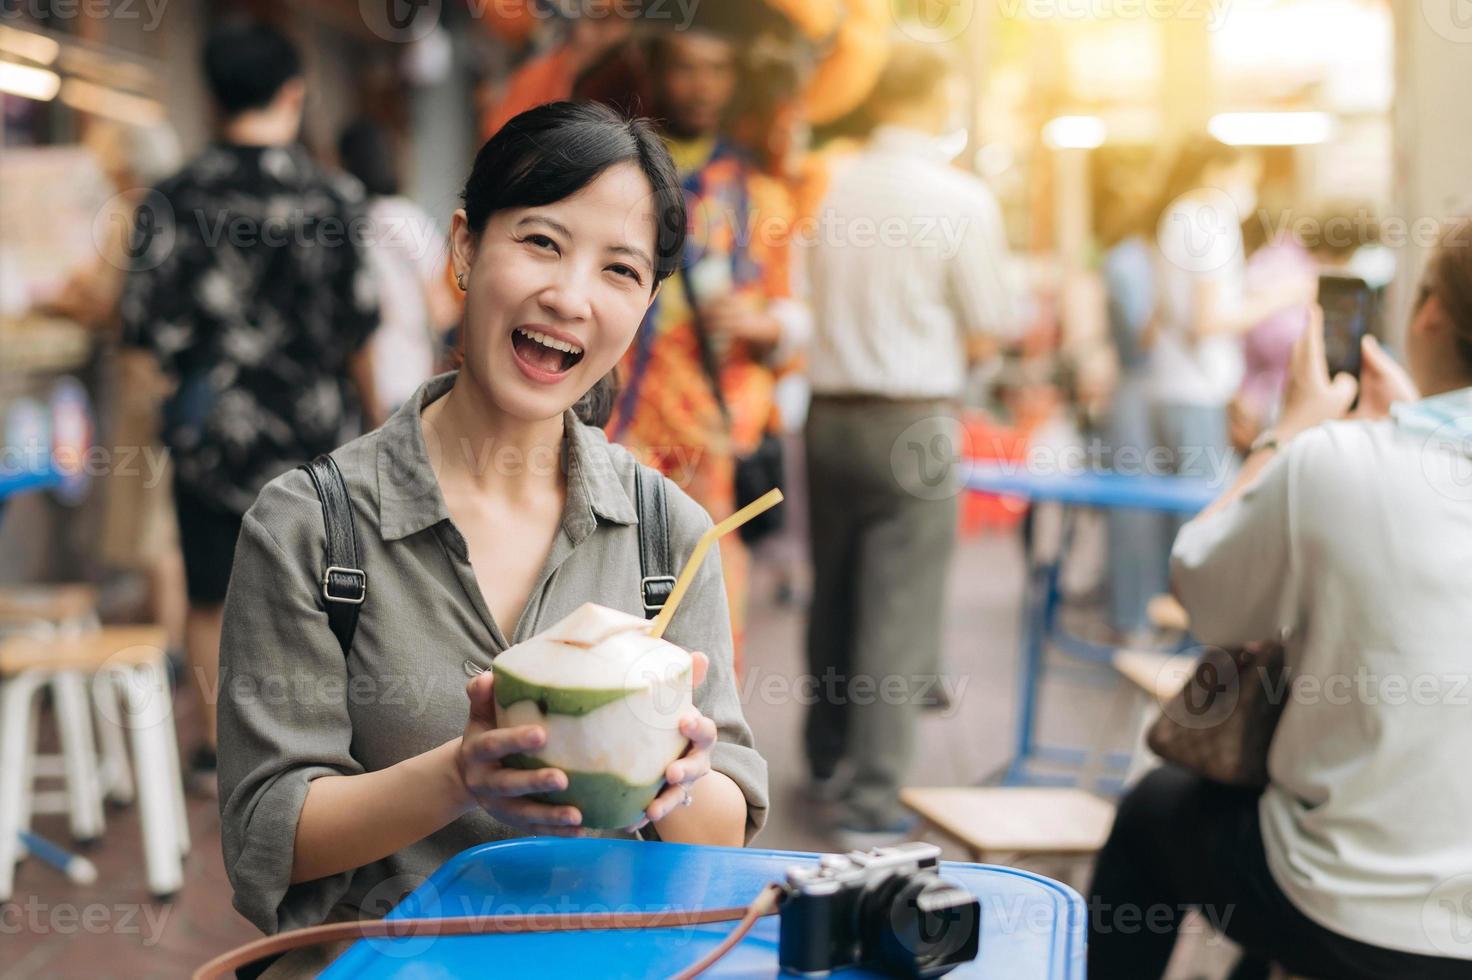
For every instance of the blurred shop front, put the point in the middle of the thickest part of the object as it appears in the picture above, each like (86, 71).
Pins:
(99, 102)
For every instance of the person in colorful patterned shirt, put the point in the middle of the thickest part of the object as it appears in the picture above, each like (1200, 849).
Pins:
(724, 314)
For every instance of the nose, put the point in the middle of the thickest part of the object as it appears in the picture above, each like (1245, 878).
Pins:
(567, 297)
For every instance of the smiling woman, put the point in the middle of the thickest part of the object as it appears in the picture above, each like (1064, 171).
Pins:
(488, 508)
(560, 261)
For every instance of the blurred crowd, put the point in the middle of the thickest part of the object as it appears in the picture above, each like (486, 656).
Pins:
(846, 291)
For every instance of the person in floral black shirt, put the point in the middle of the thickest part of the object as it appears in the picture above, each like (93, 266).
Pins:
(248, 282)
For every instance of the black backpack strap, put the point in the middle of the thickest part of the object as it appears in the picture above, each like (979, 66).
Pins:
(656, 554)
(344, 583)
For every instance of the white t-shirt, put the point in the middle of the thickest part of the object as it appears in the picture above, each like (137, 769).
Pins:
(1355, 546)
(406, 252)
(1199, 240)
(906, 259)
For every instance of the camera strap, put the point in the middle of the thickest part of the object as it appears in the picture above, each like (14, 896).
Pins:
(765, 904)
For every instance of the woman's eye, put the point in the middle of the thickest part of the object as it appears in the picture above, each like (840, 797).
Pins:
(628, 271)
(541, 241)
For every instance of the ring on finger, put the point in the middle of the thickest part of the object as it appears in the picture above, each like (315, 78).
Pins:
(687, 799)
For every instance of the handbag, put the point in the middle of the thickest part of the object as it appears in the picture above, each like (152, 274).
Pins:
(1221, 723)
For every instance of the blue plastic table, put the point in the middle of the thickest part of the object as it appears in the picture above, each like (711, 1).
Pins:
(22, 481)
(1043, 599)
(1032, 927)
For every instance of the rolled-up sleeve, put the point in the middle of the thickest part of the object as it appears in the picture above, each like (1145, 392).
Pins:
(1233, 570)
(703, 622)
(277, 732)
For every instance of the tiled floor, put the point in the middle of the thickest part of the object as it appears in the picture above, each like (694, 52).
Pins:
(54, 929)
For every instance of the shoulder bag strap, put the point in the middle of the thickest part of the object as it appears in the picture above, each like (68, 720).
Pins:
(344, 583)
(656, 555)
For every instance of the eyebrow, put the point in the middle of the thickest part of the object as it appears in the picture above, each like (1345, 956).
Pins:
(566, 232)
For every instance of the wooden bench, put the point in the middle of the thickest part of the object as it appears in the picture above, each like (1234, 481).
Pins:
(111, 646)
(1159, 675)
(1165, 612)
(995, 823)
(47, 603)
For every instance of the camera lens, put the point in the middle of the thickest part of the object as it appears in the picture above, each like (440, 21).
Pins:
(920, 926)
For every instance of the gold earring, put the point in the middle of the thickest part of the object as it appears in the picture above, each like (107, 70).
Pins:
(460, 280)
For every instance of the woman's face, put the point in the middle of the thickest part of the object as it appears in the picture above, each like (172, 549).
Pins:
(555, 293)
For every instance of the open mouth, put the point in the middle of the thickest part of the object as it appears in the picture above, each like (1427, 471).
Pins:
(546, 354)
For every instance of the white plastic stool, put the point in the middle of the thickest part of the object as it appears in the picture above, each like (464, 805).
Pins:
(123, 660)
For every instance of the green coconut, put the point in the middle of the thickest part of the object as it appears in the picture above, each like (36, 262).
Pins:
(610, 697)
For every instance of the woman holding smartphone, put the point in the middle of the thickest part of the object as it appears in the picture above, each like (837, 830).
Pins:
(488, 508)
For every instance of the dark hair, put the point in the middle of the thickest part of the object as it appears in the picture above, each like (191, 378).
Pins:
(367, 152)
(911, 73)
(551, 152)
(1449, 278)
(1198, 155)
(246, 63)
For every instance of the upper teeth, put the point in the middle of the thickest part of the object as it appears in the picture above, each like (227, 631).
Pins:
(551, 342)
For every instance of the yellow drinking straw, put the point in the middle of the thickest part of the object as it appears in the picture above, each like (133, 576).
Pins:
(687, 574)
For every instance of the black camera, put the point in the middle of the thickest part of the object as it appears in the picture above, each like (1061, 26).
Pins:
(887, 909)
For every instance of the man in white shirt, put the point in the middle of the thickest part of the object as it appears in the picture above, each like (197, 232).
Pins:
(908, 280)
(1351, 541)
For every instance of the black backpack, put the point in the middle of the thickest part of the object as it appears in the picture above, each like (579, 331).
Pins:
(345, 583)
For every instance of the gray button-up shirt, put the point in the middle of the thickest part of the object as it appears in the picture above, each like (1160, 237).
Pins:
(292, 708)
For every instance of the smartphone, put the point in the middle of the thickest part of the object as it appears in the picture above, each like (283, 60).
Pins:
(1348, 303)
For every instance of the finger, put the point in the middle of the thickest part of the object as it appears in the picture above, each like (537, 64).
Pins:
(700, 730)
(687, 769)
(665, 803)
(503, 781)
(1309, 361)
(699, 669)
(529, 813)
(481, 690)
(1343, 388)
(496, 744)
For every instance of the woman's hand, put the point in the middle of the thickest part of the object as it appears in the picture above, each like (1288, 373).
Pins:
(738, 316)
(690, 767)
(498, 789)
(1382, 382)
(1312, 397)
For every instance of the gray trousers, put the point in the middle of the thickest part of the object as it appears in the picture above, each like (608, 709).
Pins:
(883, 481)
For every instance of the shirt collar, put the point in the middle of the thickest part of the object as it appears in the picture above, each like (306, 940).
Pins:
(1448, 414)
(912, 142)
(409, 498)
